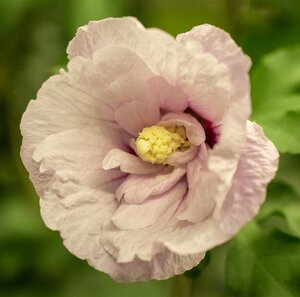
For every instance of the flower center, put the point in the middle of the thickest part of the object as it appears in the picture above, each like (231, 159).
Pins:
(156, 143)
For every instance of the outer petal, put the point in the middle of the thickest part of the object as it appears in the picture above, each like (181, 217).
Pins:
(222, 46)
(200, 76)
(256, 168)
(126, 32)
(82, 98)
(185, 66)
(225, 155)
(79, 194)
(162, 266)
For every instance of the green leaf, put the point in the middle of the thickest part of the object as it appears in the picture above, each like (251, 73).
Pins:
(289, 171)
(282, 202)
(282, 206)
(264, 263)
(276, 98)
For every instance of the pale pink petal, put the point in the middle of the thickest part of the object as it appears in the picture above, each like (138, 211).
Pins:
(257, 167)
(114, 76)
(79, 194)
(181, 158)
(135, 115)
(151, 185)
(125, 32)
(128, 163)
(199, 202)
(126, 245)
(200, 76)
(82, 98)
(169, 97)
(219, 43)
(76, 155)
(200, 199)
(224, 157)
(162, 265)
(194, 131)
(105, 33)
(196, 165)
(135, 216)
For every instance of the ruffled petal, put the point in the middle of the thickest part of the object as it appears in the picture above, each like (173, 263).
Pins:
(128, 163)
(114, 76)
(136, 216)
(153, 184)
(204, 80)
(219, 43)
(126, 245)
(82, 98)
(162, 265)
(256, 168)
(79, 194)
(225, 154)
(125, 32)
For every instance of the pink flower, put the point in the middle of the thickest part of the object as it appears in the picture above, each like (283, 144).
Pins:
(141, 152)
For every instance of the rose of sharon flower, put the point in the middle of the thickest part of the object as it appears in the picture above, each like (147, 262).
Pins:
(141, 152)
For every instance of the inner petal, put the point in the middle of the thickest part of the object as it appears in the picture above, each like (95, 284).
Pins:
(152, 184)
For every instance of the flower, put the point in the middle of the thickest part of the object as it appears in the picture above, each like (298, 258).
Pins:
(142, 153)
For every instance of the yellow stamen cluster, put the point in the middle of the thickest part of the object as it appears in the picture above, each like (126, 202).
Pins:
(156, 143)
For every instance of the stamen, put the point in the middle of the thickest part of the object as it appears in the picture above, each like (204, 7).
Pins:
(156, 143)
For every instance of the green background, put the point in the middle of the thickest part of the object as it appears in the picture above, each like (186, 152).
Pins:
(264, 258)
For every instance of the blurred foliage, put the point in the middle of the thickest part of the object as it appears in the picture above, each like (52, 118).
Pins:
(264, 257)
(276, 98)
(264, 263)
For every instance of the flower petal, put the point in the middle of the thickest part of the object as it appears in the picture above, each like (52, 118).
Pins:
(200, 199)
(162, 265)
(143, 243)
(219, 43)
(194, 131)
(128, 163)
(257, 167)
(82, 98)
(170, 98)
(125, 32)
(135, 216)
(152, 184)
(204, 80)
(135, 115)
(181, 158)
(79, 194)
